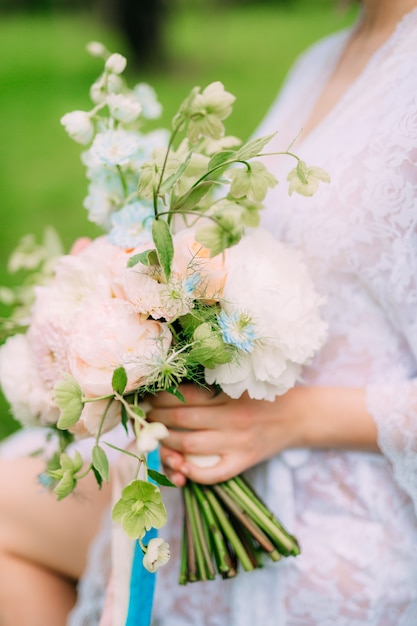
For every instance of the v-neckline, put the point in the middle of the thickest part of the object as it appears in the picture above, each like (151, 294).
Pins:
(326, 76)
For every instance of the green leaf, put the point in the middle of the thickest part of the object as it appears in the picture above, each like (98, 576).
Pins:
(65, 486)
(69, 398)
(220, 158)
(98, 477)
(137, 410)
(164, 245)
(169, 182)
(119, 380)
(175, 392)
(124, 418)
(148, 258)
(253, 147)
(190, 200)
(302, 172)
(159, 478)
(101, 462)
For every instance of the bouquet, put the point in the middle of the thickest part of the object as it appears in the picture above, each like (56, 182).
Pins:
(184, 287)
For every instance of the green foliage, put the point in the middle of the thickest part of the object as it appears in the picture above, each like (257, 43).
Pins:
(69, 398)
(139, 509)
(101, 463)
(119, 380)
(162, 238)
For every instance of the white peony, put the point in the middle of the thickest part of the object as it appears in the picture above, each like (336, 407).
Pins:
(268, 286)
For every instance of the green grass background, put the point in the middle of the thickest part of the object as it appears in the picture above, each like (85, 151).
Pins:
(45, 72)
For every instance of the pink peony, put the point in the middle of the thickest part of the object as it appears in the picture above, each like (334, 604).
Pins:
(91, 416)
(28, 396)
(107, 335)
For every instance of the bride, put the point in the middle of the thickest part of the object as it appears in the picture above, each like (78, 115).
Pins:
(336, 457)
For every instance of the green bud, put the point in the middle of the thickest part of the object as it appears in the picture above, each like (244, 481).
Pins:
(210, 349)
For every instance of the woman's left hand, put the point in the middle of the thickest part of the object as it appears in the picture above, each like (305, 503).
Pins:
(242, 432)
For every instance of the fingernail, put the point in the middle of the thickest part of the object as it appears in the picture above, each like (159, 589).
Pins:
(170, 461)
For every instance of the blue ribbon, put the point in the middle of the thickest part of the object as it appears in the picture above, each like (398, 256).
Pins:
(142, 582)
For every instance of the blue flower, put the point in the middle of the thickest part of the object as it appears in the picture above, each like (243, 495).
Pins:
(191, 283)
(131, 226)
(238, 330)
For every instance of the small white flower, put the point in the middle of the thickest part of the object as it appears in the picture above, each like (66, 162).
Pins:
(131, 226)
(96, 49)
(123, 108)
(145, 94)
(157, 554)
(98, 90)
(150, 436)
(115, 147)
(78, 126)
(114, 83)
(116, 63)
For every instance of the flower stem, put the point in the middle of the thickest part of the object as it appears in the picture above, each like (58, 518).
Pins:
(227, 496)
(243, 483)
(219, 545)
(285, 543)
(229, 531)
(183, 579)
(191, 559)
(196, 532)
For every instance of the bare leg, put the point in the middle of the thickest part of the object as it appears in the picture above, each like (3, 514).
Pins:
(43, 544)
(31, 595)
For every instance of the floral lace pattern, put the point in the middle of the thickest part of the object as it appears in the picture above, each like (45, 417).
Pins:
(352, 511)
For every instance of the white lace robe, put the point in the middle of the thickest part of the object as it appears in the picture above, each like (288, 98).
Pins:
(352, 511)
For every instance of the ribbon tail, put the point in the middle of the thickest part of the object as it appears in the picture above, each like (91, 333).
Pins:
(142, 582)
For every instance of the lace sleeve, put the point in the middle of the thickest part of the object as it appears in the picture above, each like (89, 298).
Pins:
(394, 405)
(394, 408)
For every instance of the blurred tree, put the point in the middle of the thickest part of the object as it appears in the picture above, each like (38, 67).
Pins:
(141, 23)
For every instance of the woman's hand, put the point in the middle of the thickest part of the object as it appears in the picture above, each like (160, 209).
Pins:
(242, 432)
(245, 432)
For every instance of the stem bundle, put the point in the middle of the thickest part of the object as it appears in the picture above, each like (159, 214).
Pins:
(227, 526)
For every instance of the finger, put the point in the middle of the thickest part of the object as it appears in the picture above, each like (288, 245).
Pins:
(200, 442)
(182, 417)
(171, 458)
(193, 395)
(228, 467)
(172, 463)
